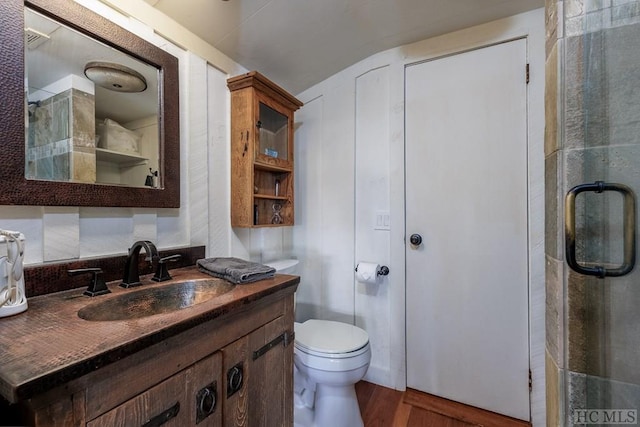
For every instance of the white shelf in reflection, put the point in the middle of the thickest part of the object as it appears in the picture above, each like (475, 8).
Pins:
(122, 159)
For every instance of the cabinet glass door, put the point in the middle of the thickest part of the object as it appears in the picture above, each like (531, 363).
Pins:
(273, 133)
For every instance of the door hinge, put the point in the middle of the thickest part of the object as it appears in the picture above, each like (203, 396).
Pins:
(530, 381)
(527, 74)
(285, 338)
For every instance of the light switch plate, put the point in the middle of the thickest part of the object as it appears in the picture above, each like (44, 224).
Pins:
(382, 221)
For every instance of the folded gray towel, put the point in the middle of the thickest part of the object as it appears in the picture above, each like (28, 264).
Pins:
(235, 270)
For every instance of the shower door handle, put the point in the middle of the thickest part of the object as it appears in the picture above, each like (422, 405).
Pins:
(629, 257)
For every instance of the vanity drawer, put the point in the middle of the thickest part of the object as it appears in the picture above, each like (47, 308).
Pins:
(189, 397)
(167, 401)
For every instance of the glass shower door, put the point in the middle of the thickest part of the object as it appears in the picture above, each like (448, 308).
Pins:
(601, 134)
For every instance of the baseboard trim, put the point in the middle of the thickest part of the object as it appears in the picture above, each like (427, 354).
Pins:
(379, 376)
(460, 411)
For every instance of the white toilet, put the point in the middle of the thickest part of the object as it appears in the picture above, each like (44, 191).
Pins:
(329, 358)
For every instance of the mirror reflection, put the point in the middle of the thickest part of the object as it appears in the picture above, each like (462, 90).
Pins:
(91, 111)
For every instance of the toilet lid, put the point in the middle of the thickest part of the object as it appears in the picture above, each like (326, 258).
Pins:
(327, 336)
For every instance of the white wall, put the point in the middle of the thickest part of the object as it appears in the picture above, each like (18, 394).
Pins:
(350, 165)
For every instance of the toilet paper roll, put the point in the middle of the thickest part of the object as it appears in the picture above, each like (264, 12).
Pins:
(367, 272)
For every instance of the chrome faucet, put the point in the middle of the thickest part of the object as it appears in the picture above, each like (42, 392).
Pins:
(131, 273)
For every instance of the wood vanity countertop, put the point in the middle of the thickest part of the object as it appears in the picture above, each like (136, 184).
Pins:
(49, 345)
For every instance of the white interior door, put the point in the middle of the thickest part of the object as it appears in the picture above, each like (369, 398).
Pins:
(466, 195)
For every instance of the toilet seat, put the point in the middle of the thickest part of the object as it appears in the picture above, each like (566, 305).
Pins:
(327, 338)
(331, 346)
(350, 354)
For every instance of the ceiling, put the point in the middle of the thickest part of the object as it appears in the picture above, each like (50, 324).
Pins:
(298, 43)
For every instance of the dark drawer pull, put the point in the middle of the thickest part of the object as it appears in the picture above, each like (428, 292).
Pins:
(206, 401)
(162, 418)
(285, 337)
(235, 379)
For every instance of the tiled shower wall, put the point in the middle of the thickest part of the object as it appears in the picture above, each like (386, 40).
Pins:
(61, 138)
(593, 133)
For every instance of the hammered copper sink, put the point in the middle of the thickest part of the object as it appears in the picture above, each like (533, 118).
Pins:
(154, 301)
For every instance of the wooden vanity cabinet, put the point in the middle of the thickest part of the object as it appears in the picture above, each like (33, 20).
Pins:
(232, 371)
(262, 161)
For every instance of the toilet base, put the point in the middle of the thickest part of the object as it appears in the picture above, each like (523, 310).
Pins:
(334, 406)
(302, 416)
(337, 406)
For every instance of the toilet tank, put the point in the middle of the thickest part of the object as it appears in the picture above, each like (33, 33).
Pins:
(284, 266)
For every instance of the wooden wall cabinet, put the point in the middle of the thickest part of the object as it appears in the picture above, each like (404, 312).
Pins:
(261, 152)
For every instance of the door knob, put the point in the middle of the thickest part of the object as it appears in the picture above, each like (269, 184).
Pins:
(415, 239)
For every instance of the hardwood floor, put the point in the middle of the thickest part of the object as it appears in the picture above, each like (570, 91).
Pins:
(384, 407)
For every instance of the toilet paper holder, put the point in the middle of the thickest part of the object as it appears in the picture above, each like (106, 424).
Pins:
(382, 271)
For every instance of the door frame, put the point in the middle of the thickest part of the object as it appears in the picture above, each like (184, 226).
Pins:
(531, 27)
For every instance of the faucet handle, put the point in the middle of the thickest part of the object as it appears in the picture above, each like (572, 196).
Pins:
(97, 285)
(162, 272)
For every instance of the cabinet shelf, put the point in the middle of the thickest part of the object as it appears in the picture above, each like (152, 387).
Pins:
(270, 197)
(271, 168)
(270, 225)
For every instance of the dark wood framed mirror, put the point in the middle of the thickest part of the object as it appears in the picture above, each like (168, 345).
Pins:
(15, 188)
